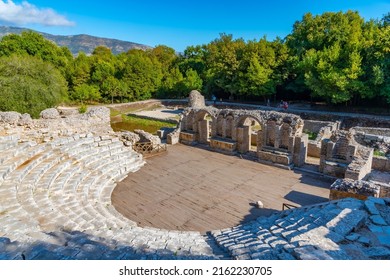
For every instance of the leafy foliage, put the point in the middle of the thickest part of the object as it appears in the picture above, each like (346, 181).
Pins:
(334, 57)
(29, 85)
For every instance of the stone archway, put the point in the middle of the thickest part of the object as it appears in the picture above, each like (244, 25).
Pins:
(205, 122)
(247, 129)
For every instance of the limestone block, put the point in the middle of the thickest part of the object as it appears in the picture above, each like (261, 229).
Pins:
(147, 137)
(196, 100)
(25, 119)
(343, 188)
(187, 137)
(222, 144)
(102, 113)
(51, 113)
(173, 137)
(10, 117)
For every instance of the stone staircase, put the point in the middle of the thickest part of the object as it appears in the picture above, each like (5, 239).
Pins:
(56, 204)
(343, 229)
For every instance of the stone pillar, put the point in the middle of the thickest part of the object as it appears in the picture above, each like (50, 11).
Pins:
(243, 139)
(329, 149)
(350, 154)
(300, 150)
(291, 144)
(323, 154)
(234, 133)
(203, 132)
(278, 131)
(260, 140)
(213, 128)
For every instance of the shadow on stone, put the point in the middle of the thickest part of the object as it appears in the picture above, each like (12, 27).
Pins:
(75, 245)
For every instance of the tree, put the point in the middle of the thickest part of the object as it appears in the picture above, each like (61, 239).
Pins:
(85, 93)
(142, 75)
(79, 71)
(34, 44)
(222, 58)
(113, 89)
(192, 81)
(256, 72)
(328, 55)
(29, 85)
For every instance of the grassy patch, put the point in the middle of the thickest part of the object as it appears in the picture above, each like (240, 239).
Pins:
(379, 153)
(83, 108)
(131, 123)
(131, 108)
(312, 135)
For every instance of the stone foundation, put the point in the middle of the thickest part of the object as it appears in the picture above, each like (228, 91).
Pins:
(188, 138)
(343, 188)
(276, 157)
(381, 163)
(223, 145)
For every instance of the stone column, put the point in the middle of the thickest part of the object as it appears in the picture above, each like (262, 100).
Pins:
(300, 150)
(243, 139)
(260, 140)
(203, 132)
(278, 131)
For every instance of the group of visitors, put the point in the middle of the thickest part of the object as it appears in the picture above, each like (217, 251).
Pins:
(284, 105)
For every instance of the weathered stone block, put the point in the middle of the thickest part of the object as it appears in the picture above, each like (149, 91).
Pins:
(187, 137)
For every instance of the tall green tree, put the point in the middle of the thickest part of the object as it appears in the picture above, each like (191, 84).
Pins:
(223, 57)
(33, 44)
(29, 85)
(328, 50)
(256, 74)
(142, 75)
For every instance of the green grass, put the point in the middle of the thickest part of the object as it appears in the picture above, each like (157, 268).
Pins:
(312, 135)
(83, 108)
(130, 123)
(379, 153)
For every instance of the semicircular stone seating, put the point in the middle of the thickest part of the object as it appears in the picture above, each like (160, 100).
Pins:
(56, 204)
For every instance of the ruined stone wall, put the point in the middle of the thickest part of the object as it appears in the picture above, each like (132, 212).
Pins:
(341, 156)
(323, 130)
(361, 164)
(196, 99)
(316, 126)
(343, 188)
(56, 123)
(376, 138)
(381, 163)
(372, 131)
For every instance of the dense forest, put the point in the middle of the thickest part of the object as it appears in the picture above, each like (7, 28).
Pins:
(337, 58)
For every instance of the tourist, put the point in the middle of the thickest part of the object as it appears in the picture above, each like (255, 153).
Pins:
(214, 99)
(285, 105)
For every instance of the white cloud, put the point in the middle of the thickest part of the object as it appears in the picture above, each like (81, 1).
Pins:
(26, 13)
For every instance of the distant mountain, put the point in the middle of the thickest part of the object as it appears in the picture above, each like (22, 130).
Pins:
(78, 43)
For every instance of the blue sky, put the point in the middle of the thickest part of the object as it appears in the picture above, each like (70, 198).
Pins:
(177, 24)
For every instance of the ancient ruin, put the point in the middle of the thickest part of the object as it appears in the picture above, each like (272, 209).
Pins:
(57, 174)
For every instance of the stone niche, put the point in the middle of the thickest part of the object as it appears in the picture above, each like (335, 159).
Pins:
(323, 130)
(281, 143)
(276, 138)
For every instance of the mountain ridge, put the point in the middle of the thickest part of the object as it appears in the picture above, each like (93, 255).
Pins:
(81, 42)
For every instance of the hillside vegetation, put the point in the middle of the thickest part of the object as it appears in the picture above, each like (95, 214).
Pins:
(336, 58)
